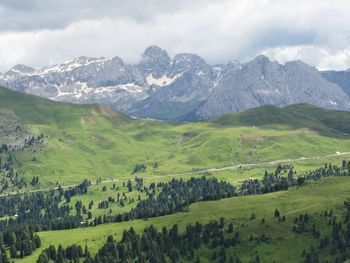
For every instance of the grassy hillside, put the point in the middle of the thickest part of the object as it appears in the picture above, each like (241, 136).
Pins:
(326, 122)
(93, 141)
(76, 142)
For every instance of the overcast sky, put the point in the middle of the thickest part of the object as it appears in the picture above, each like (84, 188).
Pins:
(41, 32)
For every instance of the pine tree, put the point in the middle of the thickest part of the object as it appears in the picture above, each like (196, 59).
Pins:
(230, 228)
(277, 213)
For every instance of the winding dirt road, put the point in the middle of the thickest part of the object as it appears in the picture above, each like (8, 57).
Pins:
(195, 172)
(253, 164)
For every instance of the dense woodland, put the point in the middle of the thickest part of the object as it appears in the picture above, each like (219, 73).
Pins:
(163, 198)
(41, 211)
(217, 237)
(177, 194)
(159, 246)
(282, 179)
(21, 240)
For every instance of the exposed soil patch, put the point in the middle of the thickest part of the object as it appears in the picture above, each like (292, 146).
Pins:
(63, 147)
(94, 138)
(250, 138)
(110, 113)
(107, 111)
(183, 138)
(82, 121)
(92, 121)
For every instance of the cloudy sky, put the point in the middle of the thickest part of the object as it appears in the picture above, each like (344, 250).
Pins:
(41, 32)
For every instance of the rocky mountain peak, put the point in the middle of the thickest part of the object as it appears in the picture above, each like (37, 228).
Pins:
(84, 60)
(19, 68)
(260, 65)
(188, 58)
(81, 60)
(233, 65)
(300, 67)
(186, 62)
(14, 72)
(155, 53)
(117, 60)
(182, 88)
(156, 61)
(261, 59)
(297, 63)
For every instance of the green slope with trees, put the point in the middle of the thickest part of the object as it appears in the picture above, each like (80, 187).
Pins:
(77, 142)
(82, 175)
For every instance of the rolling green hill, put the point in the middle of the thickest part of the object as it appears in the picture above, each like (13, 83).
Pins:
(63, 144)
(94, 141)
(326, 122)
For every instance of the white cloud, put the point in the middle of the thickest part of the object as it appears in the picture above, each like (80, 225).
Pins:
(219, 31)
(324, 59)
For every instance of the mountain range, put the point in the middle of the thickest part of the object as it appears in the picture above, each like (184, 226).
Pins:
(184, 87)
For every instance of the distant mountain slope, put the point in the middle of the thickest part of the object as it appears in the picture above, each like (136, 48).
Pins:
(327, 122)
(341, 78)
(182, 88)
(262, 82)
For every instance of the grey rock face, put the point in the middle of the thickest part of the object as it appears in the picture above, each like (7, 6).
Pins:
(182, 88)
(262, 82)
(187, 84)
(341, 78)
(155, 61)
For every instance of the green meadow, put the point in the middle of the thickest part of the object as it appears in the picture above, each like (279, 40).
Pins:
(95, 142)
(286, 246)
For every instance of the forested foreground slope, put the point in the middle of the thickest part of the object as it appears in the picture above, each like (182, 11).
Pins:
(307, 223)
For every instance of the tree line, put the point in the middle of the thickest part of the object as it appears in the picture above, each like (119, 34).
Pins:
(21, 240)
(167, 245)
(336, 244)
(41, 209)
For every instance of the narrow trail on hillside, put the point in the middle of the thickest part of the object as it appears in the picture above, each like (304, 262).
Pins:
(251, 165)
(192, 172)
(56, 188)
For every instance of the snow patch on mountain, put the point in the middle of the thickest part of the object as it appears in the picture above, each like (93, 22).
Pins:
(70, 65)
(129, 87)
(162, 81)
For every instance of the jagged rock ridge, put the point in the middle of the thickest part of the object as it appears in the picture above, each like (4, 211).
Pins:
(182, 88)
